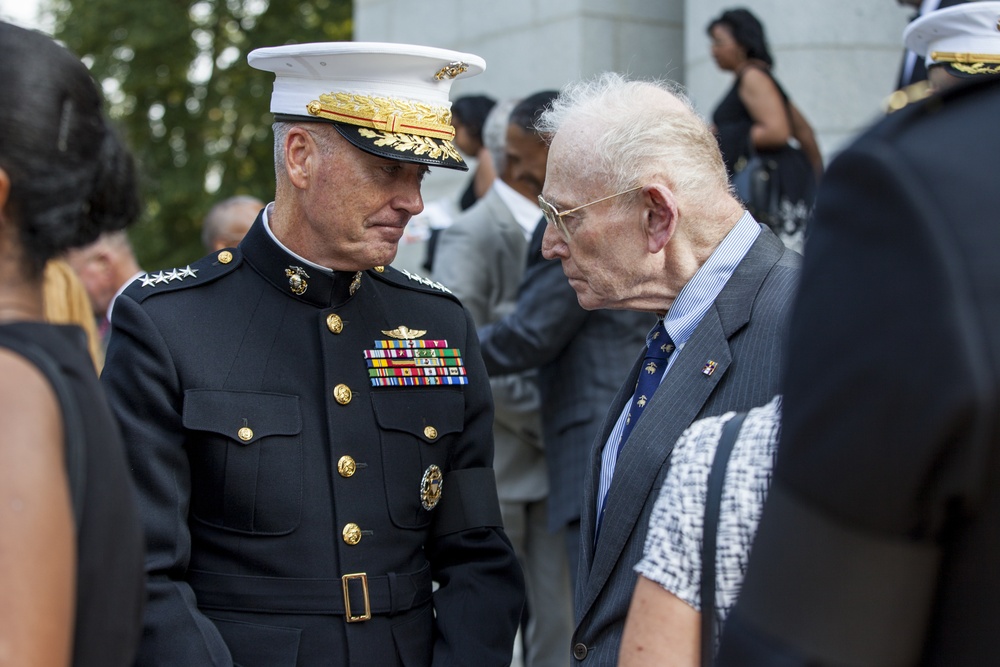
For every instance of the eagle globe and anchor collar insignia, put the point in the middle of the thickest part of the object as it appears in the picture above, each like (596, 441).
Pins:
(297, 280)
(403, 360)
(431, 485)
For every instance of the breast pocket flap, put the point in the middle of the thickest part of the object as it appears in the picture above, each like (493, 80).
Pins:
(428, 415)
(243, 416)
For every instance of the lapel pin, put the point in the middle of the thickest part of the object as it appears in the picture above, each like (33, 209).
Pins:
(710, 367)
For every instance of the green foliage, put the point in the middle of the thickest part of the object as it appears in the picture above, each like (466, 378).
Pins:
(196, 115)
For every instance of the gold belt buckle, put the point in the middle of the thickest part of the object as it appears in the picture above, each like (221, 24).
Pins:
(345, 582)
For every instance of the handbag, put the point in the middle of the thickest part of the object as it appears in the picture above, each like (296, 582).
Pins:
(713, 503)
(758, 185)
(777, 186)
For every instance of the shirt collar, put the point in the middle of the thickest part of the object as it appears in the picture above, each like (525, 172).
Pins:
(525, 211)
(701, 291)
(292, 274)
(300, 258)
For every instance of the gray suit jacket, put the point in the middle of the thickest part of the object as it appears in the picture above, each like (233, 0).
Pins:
(582, 357)
(742, 332)
(480, 258)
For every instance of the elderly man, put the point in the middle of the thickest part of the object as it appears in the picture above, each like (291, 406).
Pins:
(309, 429)
(228, 221)
(641, 216)
(481, 258)
(105, 267)
(582, 356)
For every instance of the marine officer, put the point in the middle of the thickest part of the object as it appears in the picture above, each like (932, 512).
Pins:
(879, 539)
(309, 428)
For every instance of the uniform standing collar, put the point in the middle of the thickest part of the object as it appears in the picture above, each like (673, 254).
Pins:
(293, 275)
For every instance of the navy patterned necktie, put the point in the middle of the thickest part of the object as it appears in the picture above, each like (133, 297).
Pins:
(658, 351)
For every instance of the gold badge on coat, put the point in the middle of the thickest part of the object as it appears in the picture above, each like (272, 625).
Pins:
(297, 279)
(403, 332)
(430, 487)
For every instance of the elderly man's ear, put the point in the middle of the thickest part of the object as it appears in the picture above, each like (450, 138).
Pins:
(659, 216)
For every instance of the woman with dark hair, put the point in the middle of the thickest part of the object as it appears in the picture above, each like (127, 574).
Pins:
(71, 569)
(467, 117)
(757, 117)
(468, 114)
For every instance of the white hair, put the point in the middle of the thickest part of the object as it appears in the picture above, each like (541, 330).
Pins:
(495, 132)
(640, 129)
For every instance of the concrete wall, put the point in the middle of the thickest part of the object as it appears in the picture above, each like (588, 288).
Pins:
(837, 60)
(532, 45)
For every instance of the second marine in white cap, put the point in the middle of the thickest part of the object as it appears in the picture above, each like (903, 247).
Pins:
(957, 42)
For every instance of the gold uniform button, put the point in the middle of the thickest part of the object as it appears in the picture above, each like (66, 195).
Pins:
(342, 394)
(380, 269)
(430, 433)
(334, 323)
(346, 466)
(352, 533)
(225, 257)
(245, 434)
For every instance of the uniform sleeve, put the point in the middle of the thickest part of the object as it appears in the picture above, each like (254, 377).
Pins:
(545, 320)
(879, 375)
(480, 584)
(143, 390)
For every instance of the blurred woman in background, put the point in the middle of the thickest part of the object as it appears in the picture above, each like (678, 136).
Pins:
(757, 117)
(71, 566)
(468, 114)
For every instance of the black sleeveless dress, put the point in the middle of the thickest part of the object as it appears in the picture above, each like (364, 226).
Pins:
(798, 182)
(110, 588)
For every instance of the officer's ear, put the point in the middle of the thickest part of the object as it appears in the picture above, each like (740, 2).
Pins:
(300, 149)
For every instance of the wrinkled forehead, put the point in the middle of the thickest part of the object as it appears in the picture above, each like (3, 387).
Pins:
(573, 164)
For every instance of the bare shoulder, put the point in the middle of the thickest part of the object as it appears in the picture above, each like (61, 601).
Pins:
(29, 412)
(755, 79)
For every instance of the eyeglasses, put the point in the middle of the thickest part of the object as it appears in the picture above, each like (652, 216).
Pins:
(555, 218)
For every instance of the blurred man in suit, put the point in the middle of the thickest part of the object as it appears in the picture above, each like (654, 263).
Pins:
(481, 259)
(641, 216)
(105, 267)
(228, 222)
(582, 356)
(880, 537)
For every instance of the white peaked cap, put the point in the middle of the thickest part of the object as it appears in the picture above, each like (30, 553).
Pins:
(388, 99)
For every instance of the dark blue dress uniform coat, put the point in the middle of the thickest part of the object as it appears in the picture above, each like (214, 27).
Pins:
(268, 468)
(880, 538)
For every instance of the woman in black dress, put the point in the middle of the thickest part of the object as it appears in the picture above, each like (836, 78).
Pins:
(71, 570)
(756, 116)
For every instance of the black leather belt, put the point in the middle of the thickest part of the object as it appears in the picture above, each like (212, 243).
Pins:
(355, 595)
